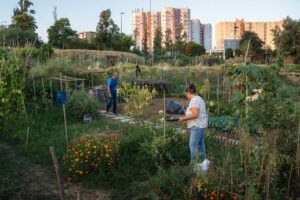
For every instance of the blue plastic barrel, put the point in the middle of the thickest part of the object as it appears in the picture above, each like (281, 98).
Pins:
(61, 98)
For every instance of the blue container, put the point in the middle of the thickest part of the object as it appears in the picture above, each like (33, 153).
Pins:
(61, 98)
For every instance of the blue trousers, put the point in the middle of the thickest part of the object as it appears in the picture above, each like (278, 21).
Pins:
(197, 144)
(112, 101)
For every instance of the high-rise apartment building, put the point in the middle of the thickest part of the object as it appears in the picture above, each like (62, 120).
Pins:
(197, 31)
(235, 30)
(207, 37)
(144, 25)
(202, 34)
(172, 18)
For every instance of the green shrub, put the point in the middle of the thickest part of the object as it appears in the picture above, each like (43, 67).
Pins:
(165, 152)
(165, 185)
(137, 99)
(81, 103)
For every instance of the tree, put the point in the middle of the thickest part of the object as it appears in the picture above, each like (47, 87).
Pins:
(107, 30)
(60, 32)
(145, 45)
(228, 53)
(123, 42)
(13, 36)
(23, 16)
(157, 42)
(255, 46)
(168, 39)
(193, 49)
(287, 41)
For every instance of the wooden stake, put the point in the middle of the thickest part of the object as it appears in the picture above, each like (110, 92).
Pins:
(60, 81)
(27, 135)
(246, 55)
(60, 185)
(34, 91)
(66, 130)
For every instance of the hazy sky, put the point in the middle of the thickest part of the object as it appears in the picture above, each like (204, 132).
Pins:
(84, 14)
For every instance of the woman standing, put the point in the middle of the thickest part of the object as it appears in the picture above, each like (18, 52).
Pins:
(196, 119)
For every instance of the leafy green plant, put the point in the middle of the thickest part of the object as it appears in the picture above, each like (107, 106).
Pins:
(168, 150)
(165, 185)
(12, 80)
(137, 98)
(81, 103)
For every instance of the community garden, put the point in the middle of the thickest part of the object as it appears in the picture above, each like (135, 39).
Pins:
(252, 140)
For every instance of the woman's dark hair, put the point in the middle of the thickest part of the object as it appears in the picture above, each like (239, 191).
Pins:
(191, 89)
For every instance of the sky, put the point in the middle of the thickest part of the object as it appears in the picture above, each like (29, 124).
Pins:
(84, 14)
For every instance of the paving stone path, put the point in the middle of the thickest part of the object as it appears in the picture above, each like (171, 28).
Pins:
(130, 120)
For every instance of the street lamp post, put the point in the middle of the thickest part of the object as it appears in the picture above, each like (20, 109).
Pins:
(122, 13)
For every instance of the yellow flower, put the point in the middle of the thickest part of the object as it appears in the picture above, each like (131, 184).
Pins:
(76, 159)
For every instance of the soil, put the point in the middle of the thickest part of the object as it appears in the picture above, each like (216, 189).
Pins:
(40, 183)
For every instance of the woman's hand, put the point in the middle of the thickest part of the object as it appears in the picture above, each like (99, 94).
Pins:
(182, 119)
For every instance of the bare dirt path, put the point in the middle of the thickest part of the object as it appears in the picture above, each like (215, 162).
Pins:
(37, 182)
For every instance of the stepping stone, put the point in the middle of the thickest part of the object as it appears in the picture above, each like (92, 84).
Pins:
(126, 120)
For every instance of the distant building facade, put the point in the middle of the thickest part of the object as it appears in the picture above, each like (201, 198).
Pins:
(207, 37)
(172, 18)
(231, 44)
(144, 25)
(202, 34)
(197, 31)
(235, 30)
(88, 35)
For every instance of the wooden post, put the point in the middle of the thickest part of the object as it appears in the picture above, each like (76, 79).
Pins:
(66, 130)
(246, 55)
(27, 135)
(60, 185)
(60, 81)
(78, 195)
(247, 92)
(34, 91)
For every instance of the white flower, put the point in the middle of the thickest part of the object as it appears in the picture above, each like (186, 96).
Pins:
(259, 91)
(160, 112)
(211, 103)
(162, 120)
(252, 98)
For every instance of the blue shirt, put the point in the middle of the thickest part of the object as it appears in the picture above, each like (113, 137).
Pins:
(112, 83)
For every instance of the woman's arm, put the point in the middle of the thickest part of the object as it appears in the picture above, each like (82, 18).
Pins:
(194, 114)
